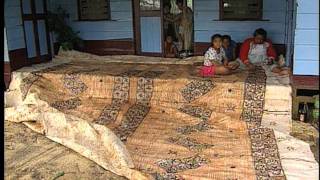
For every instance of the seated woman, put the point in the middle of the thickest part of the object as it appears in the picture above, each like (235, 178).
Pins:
(215, 60)
(258, 50)
(229, 47)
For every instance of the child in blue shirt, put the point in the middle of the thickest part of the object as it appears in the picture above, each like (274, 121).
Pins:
(229, 47)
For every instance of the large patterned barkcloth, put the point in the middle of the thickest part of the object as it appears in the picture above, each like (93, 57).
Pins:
(174, 124)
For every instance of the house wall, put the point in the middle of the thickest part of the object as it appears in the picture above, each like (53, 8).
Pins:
(13, 23)
(6, 61)
(206, 22)
(306, 46)
(6, 55)
(16, 48)
(119, 27)
(114, 36)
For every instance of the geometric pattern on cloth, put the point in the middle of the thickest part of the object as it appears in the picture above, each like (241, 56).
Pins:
(196, 89)
(131, 121)
(254, 97)
(265, 154)
(196, 111)
(263, 143)
(73, 83)
(189, 143)
(120, 95)
(67, 104)
(178, 165)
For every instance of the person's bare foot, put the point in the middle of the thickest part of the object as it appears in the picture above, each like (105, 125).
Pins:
(284, 72)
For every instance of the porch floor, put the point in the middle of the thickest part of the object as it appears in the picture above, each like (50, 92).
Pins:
(200, 122)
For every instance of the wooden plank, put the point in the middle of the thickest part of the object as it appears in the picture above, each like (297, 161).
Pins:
(106, 35)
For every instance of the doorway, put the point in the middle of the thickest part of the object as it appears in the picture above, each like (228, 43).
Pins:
(156, 20)
(36, 30)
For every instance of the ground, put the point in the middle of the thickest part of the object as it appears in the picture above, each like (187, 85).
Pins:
(307, 133)
(49, 160)
(29, 155)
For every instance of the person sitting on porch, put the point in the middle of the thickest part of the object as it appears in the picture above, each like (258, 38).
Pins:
(229, 47)
(215, 59)
(170, 48)
(257, 49)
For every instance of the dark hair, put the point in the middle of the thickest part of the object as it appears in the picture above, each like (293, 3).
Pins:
(179, 2)
(226, 37)
(167, 4)
(260, 32)
(215, 36)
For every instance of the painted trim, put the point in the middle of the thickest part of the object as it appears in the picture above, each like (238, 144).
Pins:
(18, 59)
(305, 82)
(109, 47)
(7, 74)
(108, 18)
(258, 17)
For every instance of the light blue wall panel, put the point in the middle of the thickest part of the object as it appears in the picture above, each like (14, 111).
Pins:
(30, 39)
(26, 6)
(6, 55)
(150, 34)
(119, 27)
(308, 21)
(306, 52)
(302, 37)
(308, 6)
(207, 23)
(13, 24)
(305, 67)
(39, 6)
(42, 37)
(306, 44)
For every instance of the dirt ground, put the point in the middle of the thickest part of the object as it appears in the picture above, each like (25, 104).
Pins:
(307, 133)
(29, 155)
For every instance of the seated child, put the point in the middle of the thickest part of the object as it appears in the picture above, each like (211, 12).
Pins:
(215, 60)
(170, 48)
(229, 47)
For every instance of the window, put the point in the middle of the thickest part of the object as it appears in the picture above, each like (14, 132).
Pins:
(94, 9)
(240, 9)
(149, 5)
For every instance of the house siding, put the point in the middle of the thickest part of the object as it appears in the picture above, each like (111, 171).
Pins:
(306, 46)
(207, 23)
(6, 55)
(13, 24)
(119, 27)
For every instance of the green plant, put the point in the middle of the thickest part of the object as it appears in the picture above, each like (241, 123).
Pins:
(66, 37)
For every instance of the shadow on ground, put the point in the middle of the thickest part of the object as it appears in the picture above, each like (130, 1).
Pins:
(29, 155)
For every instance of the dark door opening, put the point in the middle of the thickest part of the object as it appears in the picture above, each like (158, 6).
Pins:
(158, 21)
(178, 27)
